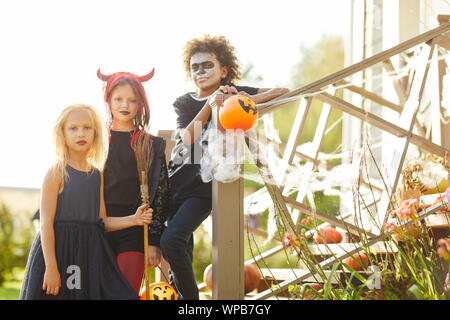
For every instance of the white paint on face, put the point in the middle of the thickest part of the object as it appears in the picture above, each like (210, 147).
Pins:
(123, 107)
(207, 72)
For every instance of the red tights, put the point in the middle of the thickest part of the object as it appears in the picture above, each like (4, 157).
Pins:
(131, 263)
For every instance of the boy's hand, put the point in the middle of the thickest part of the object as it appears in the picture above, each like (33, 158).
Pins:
(143, 215)
(227, 89)
(154, 256)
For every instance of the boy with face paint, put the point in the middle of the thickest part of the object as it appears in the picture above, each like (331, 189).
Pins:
(211, 63)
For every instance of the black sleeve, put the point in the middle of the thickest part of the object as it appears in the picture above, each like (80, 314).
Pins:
(183, 112)
(250, 90)
(160, 204)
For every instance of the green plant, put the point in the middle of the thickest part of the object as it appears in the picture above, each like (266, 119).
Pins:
(15, 243)
(410, 268)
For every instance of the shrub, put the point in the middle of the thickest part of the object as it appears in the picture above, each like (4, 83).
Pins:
(15, 243)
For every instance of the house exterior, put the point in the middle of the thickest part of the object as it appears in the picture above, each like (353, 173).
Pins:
(376, 26)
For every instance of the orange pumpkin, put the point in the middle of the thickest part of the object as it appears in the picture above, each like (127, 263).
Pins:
(328, 235)
(160, 291)
(238, 112)
(352, 261)
(252, 277)
(308, 290)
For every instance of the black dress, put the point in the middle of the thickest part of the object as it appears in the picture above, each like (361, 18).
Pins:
(122, 192)
(85, 260)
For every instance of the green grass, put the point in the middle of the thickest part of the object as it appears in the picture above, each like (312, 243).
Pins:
(10, 290)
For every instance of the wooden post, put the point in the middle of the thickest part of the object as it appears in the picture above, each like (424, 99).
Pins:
(162, 273)
(228, 234)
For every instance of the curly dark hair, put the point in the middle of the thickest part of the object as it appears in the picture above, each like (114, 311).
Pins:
(221, 48)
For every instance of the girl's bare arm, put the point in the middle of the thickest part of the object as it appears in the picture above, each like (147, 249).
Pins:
(49, 195)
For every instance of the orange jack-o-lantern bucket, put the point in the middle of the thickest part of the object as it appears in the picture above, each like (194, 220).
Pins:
(160, 291)
(238, 112)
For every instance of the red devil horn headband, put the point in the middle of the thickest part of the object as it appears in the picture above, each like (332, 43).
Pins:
(144, 78)
(147, 76)
(101, 76)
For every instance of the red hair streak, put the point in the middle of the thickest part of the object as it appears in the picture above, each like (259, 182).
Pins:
(143, 115)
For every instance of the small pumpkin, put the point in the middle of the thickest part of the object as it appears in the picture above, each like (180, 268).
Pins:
(160, 291)
(328, 235)
(308, 291)
(352, 261)
(252, 277)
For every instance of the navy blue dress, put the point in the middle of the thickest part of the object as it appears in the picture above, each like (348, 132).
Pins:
(86, 263)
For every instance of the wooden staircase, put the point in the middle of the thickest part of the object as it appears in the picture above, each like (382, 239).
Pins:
(404, 131)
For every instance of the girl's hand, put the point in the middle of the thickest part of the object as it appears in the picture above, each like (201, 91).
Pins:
(154, 256)
(52, 281)
(143, 215)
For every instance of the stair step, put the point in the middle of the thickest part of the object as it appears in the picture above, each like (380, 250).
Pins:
(282, 274)
(338, 248)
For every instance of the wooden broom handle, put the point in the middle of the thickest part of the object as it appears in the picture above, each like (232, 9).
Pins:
(144, 195)
(147, 279)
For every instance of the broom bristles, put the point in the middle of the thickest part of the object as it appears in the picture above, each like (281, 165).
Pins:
(143, 160)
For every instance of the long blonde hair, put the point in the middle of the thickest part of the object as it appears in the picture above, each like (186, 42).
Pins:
(96, 156)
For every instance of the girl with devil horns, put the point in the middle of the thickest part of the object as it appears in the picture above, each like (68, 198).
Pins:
(212, 64)
(129, 117)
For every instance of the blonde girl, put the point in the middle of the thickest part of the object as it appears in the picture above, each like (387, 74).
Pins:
(70, 257)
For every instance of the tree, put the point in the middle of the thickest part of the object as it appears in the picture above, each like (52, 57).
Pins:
(15, 243)
(6, 236)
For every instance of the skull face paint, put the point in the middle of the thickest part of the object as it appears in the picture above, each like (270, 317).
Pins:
(206, 72)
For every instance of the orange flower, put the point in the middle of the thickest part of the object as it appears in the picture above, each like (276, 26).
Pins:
(407, 209)
(401, 233)
(439, 200)
(308, 221)
(390, 228)
(290, 241)
(410, 203)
